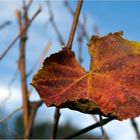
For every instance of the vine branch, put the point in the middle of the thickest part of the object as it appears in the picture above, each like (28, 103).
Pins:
(34, 106)
(135, 126)
(54, 25)
(3, 25)
(22, 70)
(20, 34)
(10, 115)
(23, 22)
(93, 126)
(81, 25)
(55, 124)
(74, 24)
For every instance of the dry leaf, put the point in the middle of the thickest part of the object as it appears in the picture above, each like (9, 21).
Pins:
(115, 72)
(111, 87)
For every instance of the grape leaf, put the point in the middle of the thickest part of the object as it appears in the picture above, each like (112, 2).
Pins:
(61, 78)
(115, 64)
(111, 87)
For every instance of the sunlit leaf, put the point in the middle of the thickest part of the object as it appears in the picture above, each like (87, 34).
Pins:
(115, 72)
(61, 79)
(111, 87)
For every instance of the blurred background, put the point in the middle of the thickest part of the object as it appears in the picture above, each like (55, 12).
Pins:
(48, 33)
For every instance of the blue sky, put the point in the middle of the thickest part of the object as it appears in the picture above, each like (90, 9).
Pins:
(117, 15)
(108, 16)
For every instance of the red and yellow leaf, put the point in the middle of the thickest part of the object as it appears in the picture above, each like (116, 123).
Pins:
(61, 79)
(115, 70)
(112, 86)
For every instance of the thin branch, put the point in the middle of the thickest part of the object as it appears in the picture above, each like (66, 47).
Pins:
(20, 34)
(27, 6)
(85, 34)
(22, 68)
(66, 3)
(10, 115)
(104, 134)
(5, 24)
(34, 106)
(23, 22)
(80, 41)
(55, 124)
(93, 126)
(60, 38)
(26, 9)
(100, 118)
(74, 25)
(80, 37)
(135, 126)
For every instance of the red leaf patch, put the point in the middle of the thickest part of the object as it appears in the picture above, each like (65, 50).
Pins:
(112, 85)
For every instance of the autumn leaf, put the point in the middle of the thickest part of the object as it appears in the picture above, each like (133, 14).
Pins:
(111, 87)
(115, 72)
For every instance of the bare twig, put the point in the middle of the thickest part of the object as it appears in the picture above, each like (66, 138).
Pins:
(20, 34)
(80, 41)
(85, 34)
(104, 134)
(80, 37)
(135, 126)
(66, 3)
(60, 38)
(22, 69)
(5, 24)
(23, 22)
(27, 6)
(93, 126)
(34, 106)
(29, 111)
(55, 124)
(74, 25)
(10, 115)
